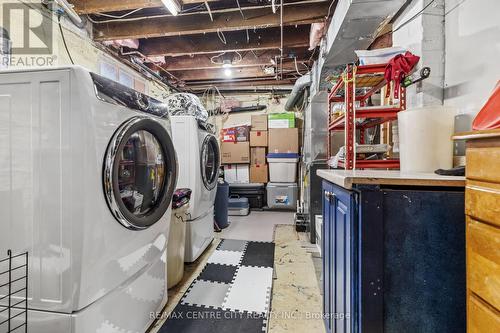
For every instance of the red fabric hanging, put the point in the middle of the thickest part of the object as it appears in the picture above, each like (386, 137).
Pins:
(489, 116)
(397, 68)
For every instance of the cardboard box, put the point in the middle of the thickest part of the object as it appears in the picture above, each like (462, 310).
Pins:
(283, 140)
(235, 152)
(258, 138)
(258, 173)
(281, 120)
(257, 155)
(236, 134)
(259, 122)
(237, 173)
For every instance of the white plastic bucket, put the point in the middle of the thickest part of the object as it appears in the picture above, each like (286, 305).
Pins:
(425, 142)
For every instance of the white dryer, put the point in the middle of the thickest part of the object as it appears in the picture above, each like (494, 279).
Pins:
(87, 173)
(199, 162)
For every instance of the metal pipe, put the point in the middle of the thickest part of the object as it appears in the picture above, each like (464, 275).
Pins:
(281, 46)
(297, 91)
(73, 16)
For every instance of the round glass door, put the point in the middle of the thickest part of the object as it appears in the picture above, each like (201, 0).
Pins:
(210, 162)
(140, 173)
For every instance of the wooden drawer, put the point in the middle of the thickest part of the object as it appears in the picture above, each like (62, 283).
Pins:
(483, 201)
(481, 318)
(483, 261)
(482, 160)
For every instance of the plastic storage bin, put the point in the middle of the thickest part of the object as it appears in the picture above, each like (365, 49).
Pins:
(238, 206)
(256, 193)
(282, 167)
(282, 195)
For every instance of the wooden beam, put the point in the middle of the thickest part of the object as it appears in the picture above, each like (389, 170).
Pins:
(237, 73)
(218, 74)
(269, 82)
(294, 14)
(248, 59)
(103, 6)
(262, 39)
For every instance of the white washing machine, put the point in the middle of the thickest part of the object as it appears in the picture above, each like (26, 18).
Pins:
(87, 173)
(199, 165)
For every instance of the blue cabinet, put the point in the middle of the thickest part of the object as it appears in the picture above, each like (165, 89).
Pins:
(393, 259)
(337, 259)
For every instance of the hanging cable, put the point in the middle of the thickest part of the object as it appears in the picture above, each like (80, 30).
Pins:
(221, 36)
(413, 17)
(241, 11)
(64, 39)
(297, 67)
(119, 16)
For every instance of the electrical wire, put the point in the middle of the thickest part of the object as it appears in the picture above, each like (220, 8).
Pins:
(131, 19)
(330, 8)
(221, 36)
(119, 16)
(414, 16)
(222, 62)
(64, 39)
(189, 11)
(241, 11)
(297, 67)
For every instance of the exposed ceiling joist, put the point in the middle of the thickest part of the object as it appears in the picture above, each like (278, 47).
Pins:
(248, 59)
(294, 14)
(237, 73)
(103, 6)
(235, 41)
(267, 82)
(216, 74)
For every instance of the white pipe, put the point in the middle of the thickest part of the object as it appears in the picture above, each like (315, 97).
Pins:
(73, 16)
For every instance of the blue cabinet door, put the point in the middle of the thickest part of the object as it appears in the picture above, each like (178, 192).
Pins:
(338, 258)
(327, 221)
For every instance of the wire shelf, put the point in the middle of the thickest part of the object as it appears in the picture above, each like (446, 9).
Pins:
(14, 293)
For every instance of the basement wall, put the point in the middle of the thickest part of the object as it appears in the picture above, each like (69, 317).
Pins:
(81, 47)
(472, 66)
(424, 36)
(460, 41)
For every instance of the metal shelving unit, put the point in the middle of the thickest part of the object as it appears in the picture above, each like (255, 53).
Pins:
(369, 79)
(14, 293)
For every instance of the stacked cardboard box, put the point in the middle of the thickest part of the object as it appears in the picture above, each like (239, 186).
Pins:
(236, 154)
(283, 136)
(258, 146)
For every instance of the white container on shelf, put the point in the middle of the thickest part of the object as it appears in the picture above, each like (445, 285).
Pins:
(282, 167)
(378, 56)
(425, 142)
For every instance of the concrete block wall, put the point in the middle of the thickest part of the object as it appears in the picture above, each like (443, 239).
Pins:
(424, 35)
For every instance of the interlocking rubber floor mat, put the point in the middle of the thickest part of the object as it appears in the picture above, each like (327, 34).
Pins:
(231, 294)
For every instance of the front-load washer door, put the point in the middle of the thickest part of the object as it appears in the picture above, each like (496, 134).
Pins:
(140, 173)
(210, 162)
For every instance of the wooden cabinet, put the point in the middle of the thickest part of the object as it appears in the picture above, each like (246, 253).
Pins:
(482, 207)
(394, 258)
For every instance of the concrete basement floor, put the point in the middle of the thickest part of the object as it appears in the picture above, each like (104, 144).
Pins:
(296, 303)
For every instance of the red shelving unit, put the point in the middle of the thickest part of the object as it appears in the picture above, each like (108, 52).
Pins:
(370, 77)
